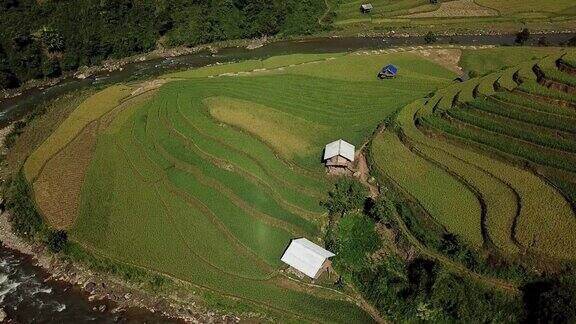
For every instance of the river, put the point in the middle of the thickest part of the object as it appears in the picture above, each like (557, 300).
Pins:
(25, 294)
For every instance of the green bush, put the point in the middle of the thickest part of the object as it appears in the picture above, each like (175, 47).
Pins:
(379, 210)
(523, 36)
(430, 38)
(11, 138)
(56, 240)
(356, 240)
(347, 195)
(26, 221)
(74, 252)
(551, 300)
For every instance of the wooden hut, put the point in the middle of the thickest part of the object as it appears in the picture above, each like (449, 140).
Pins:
(338, 156)
(388, 72)
(366, 8)
(307, 258)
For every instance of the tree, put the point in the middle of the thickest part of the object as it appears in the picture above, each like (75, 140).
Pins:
(379, 210)
(347, 195)
(422, 275)
(8, 80)
(52, 40)
(56, 240)
(430, 38)
(523, 36)
(51, 68)
(26, 221)
(551, 300)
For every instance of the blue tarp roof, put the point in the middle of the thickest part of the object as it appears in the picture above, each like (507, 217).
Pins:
(390, 68)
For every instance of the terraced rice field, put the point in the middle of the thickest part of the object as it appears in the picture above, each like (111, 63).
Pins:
(516, 128)
(209, 177)
(464, 15)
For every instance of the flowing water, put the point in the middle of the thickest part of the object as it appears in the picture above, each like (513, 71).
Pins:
(25, 295)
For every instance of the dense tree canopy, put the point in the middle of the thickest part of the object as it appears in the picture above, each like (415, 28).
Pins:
(38, 35)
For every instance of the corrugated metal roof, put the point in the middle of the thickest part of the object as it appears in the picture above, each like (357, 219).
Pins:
(305, 256)
(339, 147)
(391, 68)
(367, 6)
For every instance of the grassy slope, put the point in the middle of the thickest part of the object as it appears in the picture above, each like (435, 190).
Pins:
(488, 60)
(169, 182)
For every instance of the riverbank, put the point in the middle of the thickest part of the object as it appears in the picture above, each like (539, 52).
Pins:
(109, 295)
(114, 65)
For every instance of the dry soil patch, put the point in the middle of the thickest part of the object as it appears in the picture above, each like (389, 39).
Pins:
(57, 189)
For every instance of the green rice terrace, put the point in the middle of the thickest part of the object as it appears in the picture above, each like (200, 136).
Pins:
(503, 147)
(459, 15)
(206, 175)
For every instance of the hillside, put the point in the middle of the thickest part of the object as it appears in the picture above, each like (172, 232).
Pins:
(464, 16)
(44, 39)
(502, 145)
(205, 175)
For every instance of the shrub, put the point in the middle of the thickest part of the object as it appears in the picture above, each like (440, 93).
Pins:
(10, 139)
(56, 240)
(523, 36)
(8, 80)
(26, 220)
(379, 210)
(430, 38)
(356, 239)
(347, 195)
(551, 300)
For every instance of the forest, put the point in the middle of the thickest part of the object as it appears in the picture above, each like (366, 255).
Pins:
(45, 38)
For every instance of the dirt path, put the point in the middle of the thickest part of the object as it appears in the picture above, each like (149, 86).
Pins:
(363, 174)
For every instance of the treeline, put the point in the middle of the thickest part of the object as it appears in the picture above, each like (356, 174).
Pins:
(44, 38)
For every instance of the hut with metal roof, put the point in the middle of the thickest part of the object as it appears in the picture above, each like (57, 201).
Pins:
(338, 156)
(307, 258)
(388, 72)
(366, 8)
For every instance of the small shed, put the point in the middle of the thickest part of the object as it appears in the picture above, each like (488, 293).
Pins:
(366, 8)
(307, 258)
(388, 72)
(338, 156)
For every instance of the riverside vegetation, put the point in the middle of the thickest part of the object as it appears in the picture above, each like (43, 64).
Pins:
(43, 39)
(204, 176)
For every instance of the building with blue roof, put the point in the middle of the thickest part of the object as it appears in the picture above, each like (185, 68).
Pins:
(387, 72)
